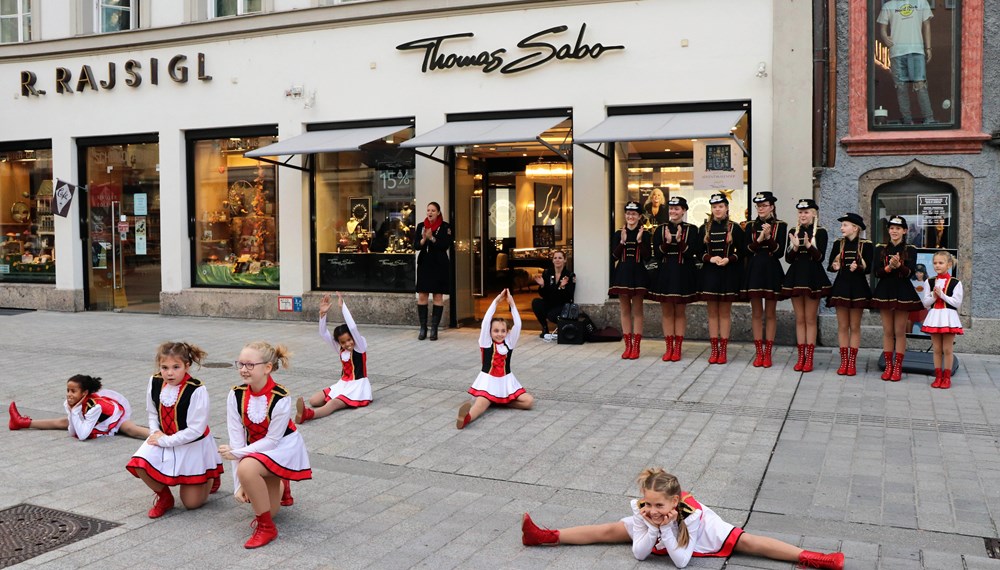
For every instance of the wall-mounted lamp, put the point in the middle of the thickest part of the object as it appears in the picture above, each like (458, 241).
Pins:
(762, 70)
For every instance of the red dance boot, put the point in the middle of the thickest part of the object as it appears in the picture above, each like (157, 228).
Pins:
(714, 357)
(887, 374)
(758, 359)
(852, 361)
(832, 561)
(807, 364)
(636, 338)
(302, 413)
(938, 377)
(946, 378)
(532, 535)
(286, 493)
(897, 368)
(766, 362)
(464, 417)
(17, 421)
(723, 343)
(675, 356)
(628, 347)
(264, 531)
(164, 502)
(801, 348)
(216, 483)
(843, 361)
(669, 340)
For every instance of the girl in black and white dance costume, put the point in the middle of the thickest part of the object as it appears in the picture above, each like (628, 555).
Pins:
(678, 248)
(894, 295)
(353, 390)
(91, 412)
(180, 449)
(765, 239)
(630, 248)
(806, 281)
(851, 260)
(264, 445)
(669, 522)
(943, 298)
(721, 274)
(496, 384)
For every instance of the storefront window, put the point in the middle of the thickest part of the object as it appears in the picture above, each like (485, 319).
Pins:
(914, 65)
(15, 21)
(929, 208)
(236, 212)
(365, 217)
(27, 249)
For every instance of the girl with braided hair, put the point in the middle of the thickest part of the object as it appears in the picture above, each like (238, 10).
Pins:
(721, 274)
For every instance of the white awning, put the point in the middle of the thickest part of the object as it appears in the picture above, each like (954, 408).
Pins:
(663, 126)
(487, 131)
(337, 140)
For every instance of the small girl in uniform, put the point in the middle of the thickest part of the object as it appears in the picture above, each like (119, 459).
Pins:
(766, 237)
(670, 522)
(495, 383)
(676, 244)
(180, 449)
(90, 412)
(894, 295)
(851, 260)
(630, 248)
(943, 297)
(721, 275)
(353, 389)
(806, 281)
(264, 445)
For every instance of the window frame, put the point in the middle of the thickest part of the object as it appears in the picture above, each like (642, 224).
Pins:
(240, 9)
(133, 16)
(23, 28)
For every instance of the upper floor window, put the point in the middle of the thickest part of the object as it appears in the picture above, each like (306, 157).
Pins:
(914, 67)
(116, 16)
(15, 21)
(222, 8)
(339, 2)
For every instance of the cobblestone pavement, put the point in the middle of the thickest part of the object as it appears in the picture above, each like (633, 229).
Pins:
(897, 475)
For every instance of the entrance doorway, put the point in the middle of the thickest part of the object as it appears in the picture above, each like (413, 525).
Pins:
(122, 209)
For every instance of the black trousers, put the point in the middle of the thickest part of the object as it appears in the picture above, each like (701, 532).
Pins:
(545, 312)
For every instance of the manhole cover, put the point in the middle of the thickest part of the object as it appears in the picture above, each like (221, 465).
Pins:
(992, 547)
(27, 531)
(14, 311)
(217, 365)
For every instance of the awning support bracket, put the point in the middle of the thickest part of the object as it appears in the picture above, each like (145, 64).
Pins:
(595, 151)
(739, 143)
(285, 163)
(561, 154)
(431, 156)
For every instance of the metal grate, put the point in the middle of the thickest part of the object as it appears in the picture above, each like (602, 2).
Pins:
(992, 547)
(27, 531)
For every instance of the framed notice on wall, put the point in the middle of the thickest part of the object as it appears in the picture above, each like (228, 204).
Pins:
(543, 236)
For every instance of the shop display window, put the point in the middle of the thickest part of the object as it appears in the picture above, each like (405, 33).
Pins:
(236, 213)
(366, 216)
(914, 68)
(27, 249)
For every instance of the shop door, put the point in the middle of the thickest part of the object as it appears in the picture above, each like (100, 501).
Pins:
(123, 221)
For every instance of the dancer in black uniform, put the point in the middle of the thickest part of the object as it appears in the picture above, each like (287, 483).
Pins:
(721, 274)
(851, 260)
(806, 281)
(676, 245)
(433, 241)
(630, 247)
(766, 237)
(894, 295)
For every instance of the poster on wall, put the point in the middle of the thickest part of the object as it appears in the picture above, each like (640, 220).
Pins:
(935, 213)
(718, 164)
(549, 206)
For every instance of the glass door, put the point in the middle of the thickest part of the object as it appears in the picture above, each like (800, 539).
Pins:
(123, 227)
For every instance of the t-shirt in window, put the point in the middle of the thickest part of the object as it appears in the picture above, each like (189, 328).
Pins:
(905, 19)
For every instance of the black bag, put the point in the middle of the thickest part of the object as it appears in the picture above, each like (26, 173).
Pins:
(607, 334)
(569, 312)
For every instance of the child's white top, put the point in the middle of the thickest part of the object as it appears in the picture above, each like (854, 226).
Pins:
(486, 339)
(955, 300)
(360, 344)
(197, 414)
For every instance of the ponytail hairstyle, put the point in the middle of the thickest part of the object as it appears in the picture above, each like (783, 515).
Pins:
(658, 480)
(947, 255)
(708, 227)
(89, 384)
(276, 356)
(187, 353)
(341, 330)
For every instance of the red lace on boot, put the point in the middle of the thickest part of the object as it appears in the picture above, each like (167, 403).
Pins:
(636, 338)
(669, 340)
(832, 561)
(807, 365)
(163, 503)
(714, 357)
(286, 493)
(766, 361)
(628, 346)
(17, 421)
(938, 377)
(843, 361)
(887, 374)
(897, 368)
(532, 535)
(758, 359)
(946, 378)
(264, 531)
(723, 343)
(675, 356)
(801, 348)
(852, 361)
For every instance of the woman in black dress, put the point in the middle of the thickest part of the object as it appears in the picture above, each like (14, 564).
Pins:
(806, 281)
(655, 209)
(433, 240)
(851, 260)
(894, 295)
(630, 248)
(721, 273)
(677, 248)
(556, 286)
(766, 237)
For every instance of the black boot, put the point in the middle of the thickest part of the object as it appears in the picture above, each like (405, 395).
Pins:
(422, 315)
(435, 321)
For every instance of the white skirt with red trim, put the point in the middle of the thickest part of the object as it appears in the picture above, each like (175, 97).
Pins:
(355, 393)
(499, 390)
(189, 464)
(113, 424)
(717, 539)
(289, 460)
(942, 321)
